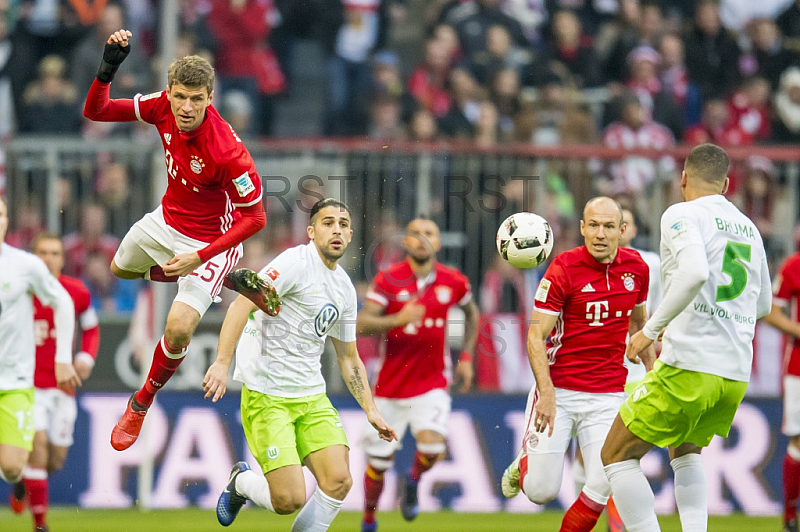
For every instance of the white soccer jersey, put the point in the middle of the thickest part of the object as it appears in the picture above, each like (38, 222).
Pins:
(281, 355)
(23, 275)
(714, 333)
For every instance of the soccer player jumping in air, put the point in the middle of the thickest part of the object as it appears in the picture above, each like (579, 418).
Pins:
(211, 205)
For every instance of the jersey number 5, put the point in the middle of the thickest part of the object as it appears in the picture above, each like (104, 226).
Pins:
(735, 254)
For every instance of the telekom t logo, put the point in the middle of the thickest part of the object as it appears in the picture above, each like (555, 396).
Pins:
(596, 311)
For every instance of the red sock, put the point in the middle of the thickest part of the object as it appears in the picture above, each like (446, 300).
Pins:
(523, 471)
(582, 515)
(791, 487)
(373, 487)
(37, 497)
(157, 274)
(422, 462)
(162, 368)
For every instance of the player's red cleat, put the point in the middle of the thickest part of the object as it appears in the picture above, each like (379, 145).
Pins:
(250, 285)
(128, 427)
(17, 499)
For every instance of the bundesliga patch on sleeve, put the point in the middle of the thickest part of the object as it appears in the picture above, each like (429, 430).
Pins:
(244, 185)
(678, 228)
(541, 292)
(272, 273)
(150, 96)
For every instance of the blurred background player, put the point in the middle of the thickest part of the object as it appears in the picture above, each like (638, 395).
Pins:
(55, 410)
(786, 289)
(22, 276)
(212, 204)
(716, 285)
(287, 417)
(409, 303)
(588, 301)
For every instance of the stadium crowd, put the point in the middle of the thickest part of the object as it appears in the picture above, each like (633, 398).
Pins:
(624, 74)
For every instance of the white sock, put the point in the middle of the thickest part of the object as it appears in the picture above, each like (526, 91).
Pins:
(690, 492)
(318, 513)
(254, 487)
(633, 496)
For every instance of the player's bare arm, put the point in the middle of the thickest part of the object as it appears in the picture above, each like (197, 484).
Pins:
(216, 380)
(539, 329)
(465, 370)
(355, 376)
(373, 320)
(637, 321)
(777, 318)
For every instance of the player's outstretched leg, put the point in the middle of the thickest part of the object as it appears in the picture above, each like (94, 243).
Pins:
(409, 504)
(250, 285)
(16, 499)
(509, 485)
(231, 501)
(128, 427)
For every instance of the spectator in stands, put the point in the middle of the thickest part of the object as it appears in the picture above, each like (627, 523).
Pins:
(193, 27)
(675, 78)
(487, 128)
(243, 60)
(483, 14)
(772, 56)
(500, 54)
(447, 35)
(503, 289)
(27, 224)
(109, 294)
(712, 55)
(624, 28)
(422, 127)
(635, 130)
(789, 21)
(460, 121)
(386, 79)
(749, 110)
(237, 110)
(92, 239)
(643, 81)
(385, 123)
(714, 127)
(427, 83)
(569, 47)
(359, 28)
(757, 194)
(113, 192)
(645, 33)
(504, 94)
(7, 110)
(134, 77)
(50, 103)
(532, 16)
(786, 126)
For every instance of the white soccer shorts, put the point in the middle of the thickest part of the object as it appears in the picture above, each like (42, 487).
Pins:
(429, 411)
(55, 411)
(586, 415)
(791, 406)
(151, 241)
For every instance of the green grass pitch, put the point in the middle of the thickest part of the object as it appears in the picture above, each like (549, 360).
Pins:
(252, 519)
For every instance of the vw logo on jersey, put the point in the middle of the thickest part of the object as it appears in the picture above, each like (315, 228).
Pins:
(326, 317)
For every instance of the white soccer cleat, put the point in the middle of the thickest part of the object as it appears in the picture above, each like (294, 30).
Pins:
(510, 483)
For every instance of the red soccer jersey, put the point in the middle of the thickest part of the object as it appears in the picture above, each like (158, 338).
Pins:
(209, 170)
(417, 355)
(787, 288)
(45, 332)
(593, 302)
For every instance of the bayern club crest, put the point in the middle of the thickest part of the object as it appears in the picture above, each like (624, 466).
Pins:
(627, 282)
(196, 164)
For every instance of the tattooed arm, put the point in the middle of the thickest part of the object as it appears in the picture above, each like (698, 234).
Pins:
(355, 376)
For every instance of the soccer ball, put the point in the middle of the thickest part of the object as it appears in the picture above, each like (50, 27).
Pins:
(525, 240)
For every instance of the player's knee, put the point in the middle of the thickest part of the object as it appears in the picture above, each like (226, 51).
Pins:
(337, 486)
(541, 492)
(178, 331)
(287, 503)
(12, 471)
